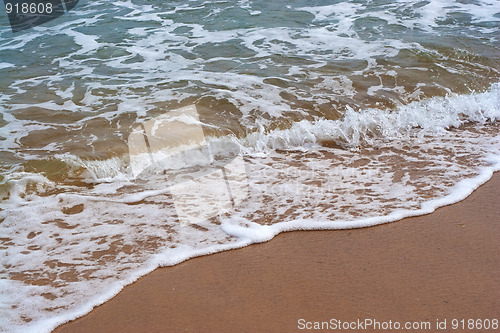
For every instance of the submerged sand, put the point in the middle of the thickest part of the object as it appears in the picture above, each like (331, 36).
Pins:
(444, 265)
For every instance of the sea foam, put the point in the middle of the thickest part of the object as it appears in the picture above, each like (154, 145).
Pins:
(70, 250)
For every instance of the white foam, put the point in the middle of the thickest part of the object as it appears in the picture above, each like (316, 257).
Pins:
(357, 128)
(301, 189)
(88, 43)
(251, 231)
(5, 65)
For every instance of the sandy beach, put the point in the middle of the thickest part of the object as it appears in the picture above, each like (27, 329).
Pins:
(435, 267)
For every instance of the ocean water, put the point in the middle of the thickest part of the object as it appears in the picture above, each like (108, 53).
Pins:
(342, 114)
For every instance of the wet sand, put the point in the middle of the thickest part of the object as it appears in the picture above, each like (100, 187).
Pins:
(445, 265)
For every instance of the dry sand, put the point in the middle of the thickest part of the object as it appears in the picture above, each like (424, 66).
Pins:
(440, 266)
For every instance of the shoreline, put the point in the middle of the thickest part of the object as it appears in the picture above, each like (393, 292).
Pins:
(443, 265)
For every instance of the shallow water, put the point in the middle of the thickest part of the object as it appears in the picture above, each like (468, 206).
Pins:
(345, 114)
